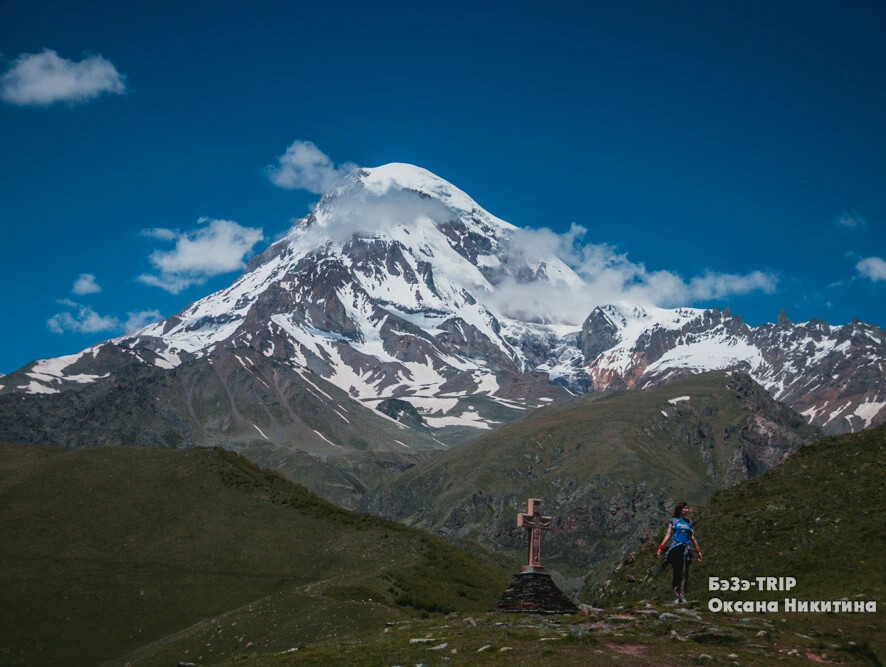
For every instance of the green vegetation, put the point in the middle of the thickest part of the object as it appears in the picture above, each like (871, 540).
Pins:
(154, 556)
(820, 517)
(606, 468)
(151, 556)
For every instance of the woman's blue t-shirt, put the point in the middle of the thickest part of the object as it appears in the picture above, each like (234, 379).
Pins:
(682, 531)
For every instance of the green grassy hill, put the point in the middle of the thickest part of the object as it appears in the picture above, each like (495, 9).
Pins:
(820, 517)
(152, 556)
(604, 467)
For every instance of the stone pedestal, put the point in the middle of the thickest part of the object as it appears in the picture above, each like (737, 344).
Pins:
(534, 592)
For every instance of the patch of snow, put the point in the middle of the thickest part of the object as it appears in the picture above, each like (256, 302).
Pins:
(37, 388)
(868, 410)
(428, 405)
(167, 359)
(488, 261)
(466, 419)
(486, 383)
(514, 405)
(325, 438)
(399, 175)
(679, 399)
(304, 376)
(260, 431)
(836, 413)
(811, 413)
(55, 367)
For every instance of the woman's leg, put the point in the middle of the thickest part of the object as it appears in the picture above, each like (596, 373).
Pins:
(675, 557)
(685, 578)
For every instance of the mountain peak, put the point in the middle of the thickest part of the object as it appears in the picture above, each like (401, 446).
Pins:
(403, 176)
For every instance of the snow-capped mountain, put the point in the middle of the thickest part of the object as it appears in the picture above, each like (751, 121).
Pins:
(387, 291)
(833, 375)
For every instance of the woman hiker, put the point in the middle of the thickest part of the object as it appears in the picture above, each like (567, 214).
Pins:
(680, 554)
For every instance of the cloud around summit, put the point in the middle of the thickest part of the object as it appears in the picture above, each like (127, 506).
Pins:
(597, 273)
(42, 79)
(303, 166)
(607, 276)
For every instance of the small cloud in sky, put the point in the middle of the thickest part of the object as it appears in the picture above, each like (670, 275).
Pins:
(305, 167)
(41, 79)
(85, 284)
(872, 268)
(851, 220)
(159, 233)
(84, 319)
(214, 248)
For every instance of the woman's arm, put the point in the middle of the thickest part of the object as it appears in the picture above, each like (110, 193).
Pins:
(697, 548)
(665, 540)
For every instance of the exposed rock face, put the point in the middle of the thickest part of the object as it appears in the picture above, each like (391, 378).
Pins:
(834, 376)
(402, 411)
(598, 333)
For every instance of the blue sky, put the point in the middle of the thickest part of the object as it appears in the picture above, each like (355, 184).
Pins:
(691, 137)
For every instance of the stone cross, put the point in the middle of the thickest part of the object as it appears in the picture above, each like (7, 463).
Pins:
(534, 523)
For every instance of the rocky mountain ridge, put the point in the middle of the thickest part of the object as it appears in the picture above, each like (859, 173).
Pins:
(387, 291)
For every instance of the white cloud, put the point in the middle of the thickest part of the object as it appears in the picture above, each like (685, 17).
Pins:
(83, 320)
(852, 220)
(85, 284)
(305, 167)
(159, 233)
(363, 213)
(216, 247)
(41, 79)
(609, 276)
(141, 319)
(713, 285)
(873, 268)
(602, 273)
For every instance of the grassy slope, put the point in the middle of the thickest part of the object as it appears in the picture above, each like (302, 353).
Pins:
(583, 458)
(107, 550)
(820, 518)
(593, 436)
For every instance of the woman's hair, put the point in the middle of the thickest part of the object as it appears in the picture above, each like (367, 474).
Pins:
(678, 510)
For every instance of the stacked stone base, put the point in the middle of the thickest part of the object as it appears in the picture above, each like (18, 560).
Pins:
(534, 593)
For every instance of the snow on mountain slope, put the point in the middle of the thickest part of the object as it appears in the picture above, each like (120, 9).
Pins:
(832, 375)
(377, 290)
(386, 289)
